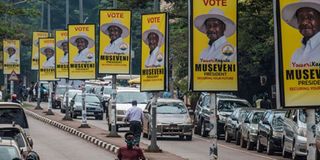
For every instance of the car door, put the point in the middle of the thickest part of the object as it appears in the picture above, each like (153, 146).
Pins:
(146, 115)
(232, 122)
(264, 128)
(198, 109)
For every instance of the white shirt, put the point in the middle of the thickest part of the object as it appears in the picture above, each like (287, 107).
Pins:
(49, 63)
(64, 59)
(13, 60)
(117, 47)
(308, 53)
(134, 114)
(215, 52)
(152, 59)
(83, 56)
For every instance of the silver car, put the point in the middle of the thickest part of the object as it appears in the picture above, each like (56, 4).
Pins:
(295, 134)
(72, 93)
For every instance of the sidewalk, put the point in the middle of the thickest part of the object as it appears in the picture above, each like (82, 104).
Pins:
(94, 134)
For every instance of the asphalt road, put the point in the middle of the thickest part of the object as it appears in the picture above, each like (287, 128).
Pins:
(197, 149)
(51, 143)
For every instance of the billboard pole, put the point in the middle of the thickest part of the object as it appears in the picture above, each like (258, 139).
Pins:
(275, 23)
(213, 121)
(49, 112)
(311, 134)
(11, 88)
(5, 84)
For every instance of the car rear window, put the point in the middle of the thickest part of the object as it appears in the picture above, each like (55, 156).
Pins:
(8, 153)
(171, 108)
(9, 115)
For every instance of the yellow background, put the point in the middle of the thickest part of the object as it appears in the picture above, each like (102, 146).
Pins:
(61, 73)
(153, 85)
(35, 49)
(291, 40)
(200, 42)
(45, 76)
(8, 70)
(75, 73)
(105, 67)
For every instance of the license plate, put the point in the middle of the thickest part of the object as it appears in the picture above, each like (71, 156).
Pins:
(90, 113)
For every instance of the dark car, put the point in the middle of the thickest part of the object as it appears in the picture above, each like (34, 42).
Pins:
(270, 129)
(92, 103)
(233, 124)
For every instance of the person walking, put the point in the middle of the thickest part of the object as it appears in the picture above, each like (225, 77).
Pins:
(134, 116)
(130, 152)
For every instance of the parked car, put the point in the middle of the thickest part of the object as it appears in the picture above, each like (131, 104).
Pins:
(92, 103)
(173, 119)
(249, 129)
(58, 96)
(9, 150)
(233, 124)
(270, 129)
(294, 134)
(71, 94)
(226, 105)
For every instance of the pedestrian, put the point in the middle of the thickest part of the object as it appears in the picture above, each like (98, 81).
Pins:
(134, 116)
(265, 102)
(130, 152)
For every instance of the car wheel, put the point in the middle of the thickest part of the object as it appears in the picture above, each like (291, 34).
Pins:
(189, 138)
(285, 154)
(249, 144)
(197, 129)
(204, 133)
(242, 142)
(226, 136)
(259, 146)
(181, 137)
(269, 147)
(238, 135)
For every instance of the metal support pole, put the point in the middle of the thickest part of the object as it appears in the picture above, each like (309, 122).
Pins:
(214, 124)
(49, 18)
(311, 134)
(278, 105)
(113, 114)
(38, 107)
(153, 147)
(42, 13)
(156, 5)
(49, 112)
(67, 13)
(115, 4)
(84, 123)
(11, 89)
(81, 10)
(5, 84)
(67, 115)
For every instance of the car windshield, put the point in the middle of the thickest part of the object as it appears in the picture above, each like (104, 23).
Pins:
(256, 117)
(13, 134)
(88, 99)
(60, 90)
(128, 97)
(278, 119)
(171, 108)
(8, 153)
(229, 106)
(9, 115)
(107, 90)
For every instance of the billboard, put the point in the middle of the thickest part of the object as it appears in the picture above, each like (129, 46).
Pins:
(213, 51)
(47, 59)
(11, 56)
(35, 48)
(82, 64)
(299, 47)
(62, 54)
(154, 52)
(115, 41)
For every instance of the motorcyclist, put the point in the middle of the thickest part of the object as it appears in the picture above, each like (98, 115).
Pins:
(14, 99)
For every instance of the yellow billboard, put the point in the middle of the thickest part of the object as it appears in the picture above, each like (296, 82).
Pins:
(47, 59)
(35, 48)
(62, 54)
(299, 47)
(115, 40)
(1, 60)
(213, 46)
(11, 56)
(153, 75)
(82, 64)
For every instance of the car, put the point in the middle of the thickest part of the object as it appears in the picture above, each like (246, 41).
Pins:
(294, 139)
(9, 150)
(92, 103)
(233, 124)
(173, 119)
(226, 104)
(249, 129)
(58, 96)
(125, 95)
(270, 129)
(71, 94)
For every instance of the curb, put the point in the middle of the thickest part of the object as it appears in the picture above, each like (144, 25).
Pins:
(100, 143)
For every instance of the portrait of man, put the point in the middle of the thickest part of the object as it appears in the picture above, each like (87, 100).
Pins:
(217, 27)
(48, 51)
(13, 58)
(83, 43)
(305, 17)
(154, 39)
(63, 45)
(116, 32)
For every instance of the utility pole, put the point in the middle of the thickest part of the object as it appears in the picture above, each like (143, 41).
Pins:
(49, 112)
(278, 105)
(311, 134)
(213, 120)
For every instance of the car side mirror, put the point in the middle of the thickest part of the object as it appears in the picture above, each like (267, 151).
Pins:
(33, 155)
(30, 141)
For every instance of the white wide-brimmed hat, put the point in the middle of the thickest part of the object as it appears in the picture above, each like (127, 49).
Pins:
(115, 22)
(59, 43)
(153, 29)
(218, 14)
(10, 46)
(289, 11)
(48, 46)
(84, 36)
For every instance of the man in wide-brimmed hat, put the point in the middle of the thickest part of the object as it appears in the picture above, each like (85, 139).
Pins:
(83, 42)
(63, 45)
(217, 27)
(12, 50)
(305, 17)
(48, 51)
(116, 32)
(154, 39)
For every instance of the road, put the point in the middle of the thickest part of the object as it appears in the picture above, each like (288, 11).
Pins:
(51, 143)
(197, 149)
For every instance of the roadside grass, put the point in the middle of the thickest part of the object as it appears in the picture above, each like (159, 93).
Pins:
(27, 105)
